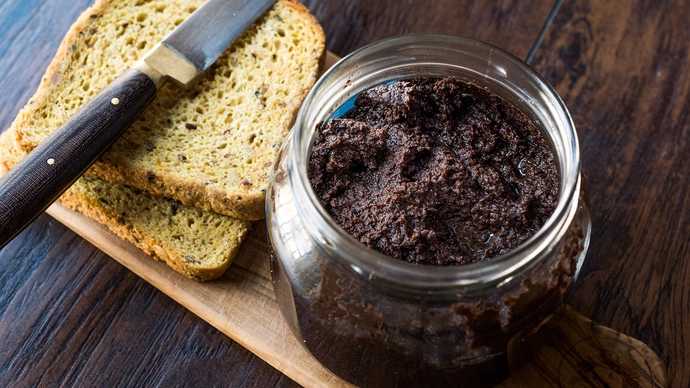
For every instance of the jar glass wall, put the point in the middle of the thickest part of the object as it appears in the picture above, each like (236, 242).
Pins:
(376, 321)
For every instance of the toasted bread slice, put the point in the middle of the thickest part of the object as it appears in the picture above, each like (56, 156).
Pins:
(212, 146)
(196, 243)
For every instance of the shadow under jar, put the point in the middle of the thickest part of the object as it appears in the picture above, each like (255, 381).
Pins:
(377, 321)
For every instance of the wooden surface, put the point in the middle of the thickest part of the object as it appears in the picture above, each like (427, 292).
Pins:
(572, 351)
(623, 70)
(71, 315)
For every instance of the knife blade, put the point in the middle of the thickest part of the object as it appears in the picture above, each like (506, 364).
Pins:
(60, 159)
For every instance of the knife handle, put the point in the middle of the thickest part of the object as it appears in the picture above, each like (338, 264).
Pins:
(59, 160)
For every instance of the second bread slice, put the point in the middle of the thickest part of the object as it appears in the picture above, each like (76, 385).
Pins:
(196, 243)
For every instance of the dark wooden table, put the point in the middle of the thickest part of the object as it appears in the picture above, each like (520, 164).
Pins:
(70, 315)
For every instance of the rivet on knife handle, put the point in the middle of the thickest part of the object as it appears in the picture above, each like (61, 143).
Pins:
(41, 177)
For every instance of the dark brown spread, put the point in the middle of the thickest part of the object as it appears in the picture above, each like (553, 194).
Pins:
(434, 171)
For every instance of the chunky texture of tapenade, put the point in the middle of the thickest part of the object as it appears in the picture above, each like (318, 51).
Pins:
(434, 171)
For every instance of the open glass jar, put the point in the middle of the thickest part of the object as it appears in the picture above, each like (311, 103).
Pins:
(377, 321)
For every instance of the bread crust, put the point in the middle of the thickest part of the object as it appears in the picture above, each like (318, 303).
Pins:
(151, 244)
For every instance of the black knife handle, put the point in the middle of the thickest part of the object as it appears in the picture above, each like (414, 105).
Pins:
(59, 160)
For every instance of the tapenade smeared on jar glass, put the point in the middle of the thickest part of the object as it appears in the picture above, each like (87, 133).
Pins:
(434, 171)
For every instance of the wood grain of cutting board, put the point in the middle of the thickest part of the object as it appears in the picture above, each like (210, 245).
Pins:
(568, 351)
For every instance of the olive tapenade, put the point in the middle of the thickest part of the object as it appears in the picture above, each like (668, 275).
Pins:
(434, 171)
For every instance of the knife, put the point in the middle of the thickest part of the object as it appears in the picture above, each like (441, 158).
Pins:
(59, 160)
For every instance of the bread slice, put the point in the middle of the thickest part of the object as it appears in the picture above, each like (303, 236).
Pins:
(196, 243)
(212, 146)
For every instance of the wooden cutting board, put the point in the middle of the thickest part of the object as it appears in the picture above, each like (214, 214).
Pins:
(570, 350)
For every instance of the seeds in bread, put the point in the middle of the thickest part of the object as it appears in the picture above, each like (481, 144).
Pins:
(196, 243)
(211, 146)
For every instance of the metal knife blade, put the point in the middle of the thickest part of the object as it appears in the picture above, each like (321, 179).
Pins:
(196, 43)
(226, 20)
(59, 160)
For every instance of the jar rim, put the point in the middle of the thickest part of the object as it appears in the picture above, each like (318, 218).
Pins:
(371, 263)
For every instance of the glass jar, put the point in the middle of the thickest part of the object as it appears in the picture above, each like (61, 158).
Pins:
(377, 321)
